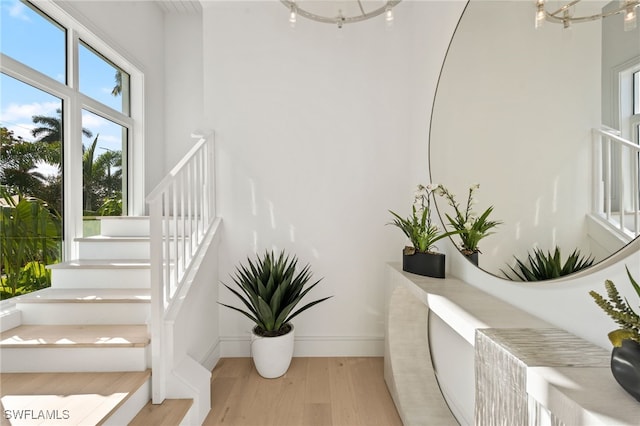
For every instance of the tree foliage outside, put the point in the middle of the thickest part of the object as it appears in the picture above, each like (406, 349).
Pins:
(30, 240)
(31, 200)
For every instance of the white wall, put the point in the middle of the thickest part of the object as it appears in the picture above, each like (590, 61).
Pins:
(319, 132)
(183, 102)
(135, 29)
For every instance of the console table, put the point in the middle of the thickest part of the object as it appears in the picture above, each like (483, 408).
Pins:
(526, 371)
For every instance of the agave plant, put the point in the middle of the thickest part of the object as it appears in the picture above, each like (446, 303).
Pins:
(620, 311)
(271, 288)
(548, 266)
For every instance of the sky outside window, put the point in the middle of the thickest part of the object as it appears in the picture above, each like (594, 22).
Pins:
(31, 38)
(99, 78)
(39, 43)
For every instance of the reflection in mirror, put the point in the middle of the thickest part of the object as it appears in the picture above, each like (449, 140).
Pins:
(514, 113)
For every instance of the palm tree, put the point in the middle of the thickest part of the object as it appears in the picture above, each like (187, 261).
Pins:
(117, 89)
(19, 161)
(51, 128)
(89, 175)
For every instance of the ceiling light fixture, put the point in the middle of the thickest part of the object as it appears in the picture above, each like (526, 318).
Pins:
(565, 15)
(340, 18)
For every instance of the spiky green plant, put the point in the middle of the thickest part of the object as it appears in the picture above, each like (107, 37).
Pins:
(620, 311)
(548, 266)
(271, 289)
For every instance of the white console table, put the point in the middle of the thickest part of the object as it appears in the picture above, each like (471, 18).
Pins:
(563, 380)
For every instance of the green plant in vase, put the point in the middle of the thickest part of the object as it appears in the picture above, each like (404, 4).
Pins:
(418, 227)
(472, 227)
(620, 311)
(422, 257)
(270, 287)
(625, 356)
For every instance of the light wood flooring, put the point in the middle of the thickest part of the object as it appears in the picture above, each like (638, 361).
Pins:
(314, 391)
(72, 398)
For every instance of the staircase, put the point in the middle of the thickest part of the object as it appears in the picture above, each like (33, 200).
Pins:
(79, 351)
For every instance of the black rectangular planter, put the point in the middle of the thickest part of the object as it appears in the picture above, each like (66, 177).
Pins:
(426, 264)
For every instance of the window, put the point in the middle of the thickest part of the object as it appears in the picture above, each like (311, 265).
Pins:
(629, 102)
(56, 75)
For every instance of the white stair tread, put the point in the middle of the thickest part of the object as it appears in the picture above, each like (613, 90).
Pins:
(86, 295)
(76, 398)
(38, 336)
(103, 264)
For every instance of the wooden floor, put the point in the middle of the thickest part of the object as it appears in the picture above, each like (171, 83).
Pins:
(72, 398)
(314, 391)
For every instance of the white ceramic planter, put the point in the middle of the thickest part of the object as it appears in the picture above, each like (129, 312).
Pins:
(272, 355)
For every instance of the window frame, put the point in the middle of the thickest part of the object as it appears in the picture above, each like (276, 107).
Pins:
(73, 102)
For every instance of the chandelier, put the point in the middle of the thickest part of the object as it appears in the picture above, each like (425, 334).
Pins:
(566, 14)
(347, 12)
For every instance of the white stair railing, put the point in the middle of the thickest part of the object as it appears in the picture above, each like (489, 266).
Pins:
(181, 211)
(616, 193)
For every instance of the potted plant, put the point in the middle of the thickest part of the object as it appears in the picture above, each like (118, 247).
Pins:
(421, 257)
(472, 228)
(625, 357)
(270, 289)
(549, 266)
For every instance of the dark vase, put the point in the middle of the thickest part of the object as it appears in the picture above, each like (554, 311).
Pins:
(473, 257)
(426, 264)
(625, 366)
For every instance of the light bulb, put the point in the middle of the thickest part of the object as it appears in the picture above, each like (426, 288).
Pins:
(630, 20)
(389, 14)
(540, 14)
(292, 15)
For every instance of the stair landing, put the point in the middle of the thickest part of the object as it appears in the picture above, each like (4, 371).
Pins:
(67, 398)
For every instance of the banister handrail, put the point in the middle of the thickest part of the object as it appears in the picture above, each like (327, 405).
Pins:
(166, 181)
(617, 138)
(181, 213)
(616, 170)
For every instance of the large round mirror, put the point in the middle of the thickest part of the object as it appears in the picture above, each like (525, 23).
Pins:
(515, 111)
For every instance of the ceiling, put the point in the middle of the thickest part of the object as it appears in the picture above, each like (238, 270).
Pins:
(180, 6)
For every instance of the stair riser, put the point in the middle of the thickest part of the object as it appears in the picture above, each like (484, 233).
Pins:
(49, 360)
(100, 278)
(140, 227)
(121, 227)
(84, 313)
(105, 250)
(137, 250)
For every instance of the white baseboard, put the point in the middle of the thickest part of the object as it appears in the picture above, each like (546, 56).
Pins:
(212, 356)
(312, 346)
